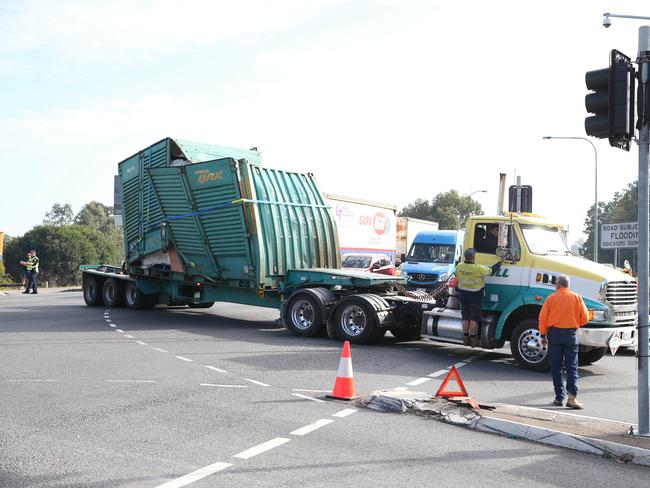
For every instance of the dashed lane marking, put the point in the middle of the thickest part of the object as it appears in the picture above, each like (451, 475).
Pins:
(344, 413)
(305, 397)
(311, 391)
(120, 330)
(413, 348)
(195, 475)
(460, 364)
(311, 427)
(419, 381)
(31, 380)
(130, 381)
(219, 370)
(113, 325)
(141, 343)
(272, 330)
(224, 386)
(160, 349)
(400, 388)
(259, 449)
(129, 336)
(471, 358)
(256, 382)
(183, 358)
(440, 372)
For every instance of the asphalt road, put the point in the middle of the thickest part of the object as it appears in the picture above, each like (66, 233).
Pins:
(93, 397)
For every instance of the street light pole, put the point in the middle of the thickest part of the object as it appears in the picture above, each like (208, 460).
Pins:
(477, 191)
(595, 188)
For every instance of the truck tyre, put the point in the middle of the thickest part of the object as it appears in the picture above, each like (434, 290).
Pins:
(407, 334)
(355, 321)
(591, 356)
(113, 293)
(200, 305)
(134, 298)
(526, 347)
(303, 315)
(92, 291)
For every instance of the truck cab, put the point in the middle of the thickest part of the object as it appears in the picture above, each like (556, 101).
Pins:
(432, 258)
(535, 253)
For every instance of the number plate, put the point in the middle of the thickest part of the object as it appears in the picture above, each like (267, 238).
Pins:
(614, 343)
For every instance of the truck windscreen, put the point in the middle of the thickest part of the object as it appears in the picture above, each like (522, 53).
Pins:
(544, 240)
(432, 253)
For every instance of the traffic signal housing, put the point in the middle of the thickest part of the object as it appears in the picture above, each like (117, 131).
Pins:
(611, 101)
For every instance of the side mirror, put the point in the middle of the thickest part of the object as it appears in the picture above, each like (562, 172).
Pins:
(502, 240)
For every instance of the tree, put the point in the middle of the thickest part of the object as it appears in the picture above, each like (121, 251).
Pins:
(61, 250)
(100, 217)
(621, 208)
(59, 215)
(450, 209)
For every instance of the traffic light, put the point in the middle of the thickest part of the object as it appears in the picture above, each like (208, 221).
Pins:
(611, 101)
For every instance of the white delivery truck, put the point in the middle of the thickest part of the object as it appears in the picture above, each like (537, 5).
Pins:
(364, 227)
(407, 229)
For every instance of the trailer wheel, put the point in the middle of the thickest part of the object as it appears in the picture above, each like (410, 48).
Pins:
(526, 346)
(200, 305)
(91, 290)
(355, 321)
(304, 315)
(591, 356)
(113, 293)
(134, 298)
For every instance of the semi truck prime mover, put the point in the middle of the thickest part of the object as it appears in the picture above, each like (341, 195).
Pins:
(205, 223)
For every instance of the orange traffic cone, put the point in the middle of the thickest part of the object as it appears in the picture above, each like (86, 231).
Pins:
(344, 385)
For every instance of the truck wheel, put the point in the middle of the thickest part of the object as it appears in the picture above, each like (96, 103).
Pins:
(591, 356)
(303, 315)
(200, 305)
(92, 293)
(355, 321)
(113, 293)
(406, 335)
(526, 346)
(134, 298)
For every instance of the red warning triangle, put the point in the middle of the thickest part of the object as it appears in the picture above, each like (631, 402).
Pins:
(453, 373)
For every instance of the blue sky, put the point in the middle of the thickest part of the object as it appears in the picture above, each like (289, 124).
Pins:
(383, 100)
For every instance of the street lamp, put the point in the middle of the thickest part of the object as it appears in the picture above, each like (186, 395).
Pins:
(477, 191)
(595, 188)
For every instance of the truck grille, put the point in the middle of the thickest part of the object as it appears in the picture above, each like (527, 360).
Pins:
(423, 277)
(622, 296)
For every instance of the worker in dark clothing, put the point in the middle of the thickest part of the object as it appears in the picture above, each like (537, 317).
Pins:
(32, 266)
(491, 239)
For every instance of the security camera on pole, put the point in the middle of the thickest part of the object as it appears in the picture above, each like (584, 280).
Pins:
(612, 102)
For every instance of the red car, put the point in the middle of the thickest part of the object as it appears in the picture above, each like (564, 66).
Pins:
(375, 263)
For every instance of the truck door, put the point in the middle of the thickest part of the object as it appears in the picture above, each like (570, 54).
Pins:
(505, 285)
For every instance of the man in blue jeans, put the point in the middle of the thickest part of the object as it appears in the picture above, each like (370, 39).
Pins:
(562, 314)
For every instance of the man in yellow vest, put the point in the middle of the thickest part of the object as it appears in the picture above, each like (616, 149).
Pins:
(32, 267)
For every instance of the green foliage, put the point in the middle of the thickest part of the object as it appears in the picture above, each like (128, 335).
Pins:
(59, 215)
(450, 209)
(61, 249)
(621, 208)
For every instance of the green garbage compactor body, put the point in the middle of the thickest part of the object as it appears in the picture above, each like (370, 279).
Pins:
(212, 217)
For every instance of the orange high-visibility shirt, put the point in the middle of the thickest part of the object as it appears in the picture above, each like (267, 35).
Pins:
(563, 309)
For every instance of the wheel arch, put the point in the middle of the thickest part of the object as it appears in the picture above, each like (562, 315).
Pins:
(528, 311)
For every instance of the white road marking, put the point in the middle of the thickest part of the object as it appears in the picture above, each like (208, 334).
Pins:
(400, 388)
(311, 427)
(440, 372)
(216, 369)
(344, 413)
(195, 475)
(311, 391)
(112, 325)
(120, 330)
(272, 330)
(413, 348)
(460, 364)
(130, 381)
(160, 349)
(129, 336)
(141, 343)
(259, 449)
(48, 381)
(183, 358)
(256, 382)
(224, 386)
(305, 397)
(471, 358)
(419, 381)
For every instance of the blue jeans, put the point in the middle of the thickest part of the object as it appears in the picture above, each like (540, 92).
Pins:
(563, 351)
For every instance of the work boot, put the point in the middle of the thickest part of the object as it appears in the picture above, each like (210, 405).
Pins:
(573, 402)
(558, 403)
(26, 292)
(474, 341)
(465, 340)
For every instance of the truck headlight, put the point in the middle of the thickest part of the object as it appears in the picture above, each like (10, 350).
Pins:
(597, 315)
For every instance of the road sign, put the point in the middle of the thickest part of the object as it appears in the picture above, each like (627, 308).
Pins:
(619, 236)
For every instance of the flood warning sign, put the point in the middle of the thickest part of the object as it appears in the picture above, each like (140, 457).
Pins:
(619, 236)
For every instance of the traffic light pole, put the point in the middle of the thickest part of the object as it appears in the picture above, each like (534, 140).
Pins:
(644, 244)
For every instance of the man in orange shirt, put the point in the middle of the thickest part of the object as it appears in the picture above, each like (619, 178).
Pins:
(562, 314)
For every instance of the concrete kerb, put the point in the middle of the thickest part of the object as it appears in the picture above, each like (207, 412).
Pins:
(421, 403)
